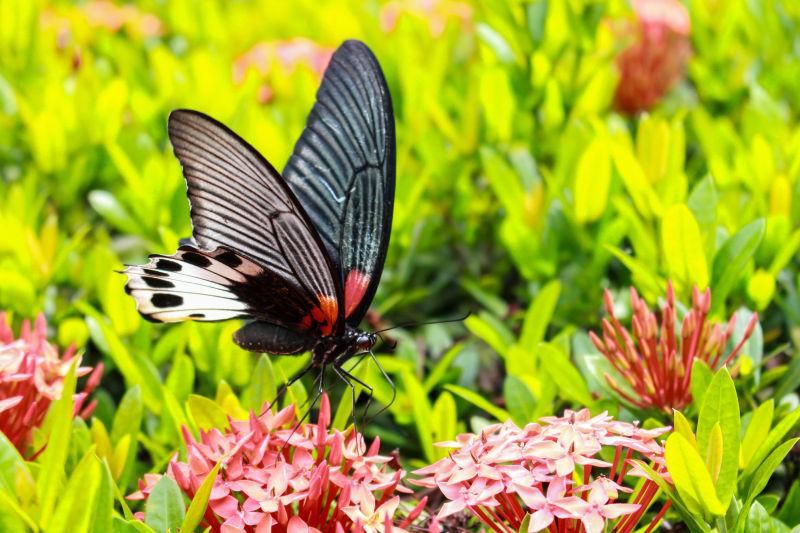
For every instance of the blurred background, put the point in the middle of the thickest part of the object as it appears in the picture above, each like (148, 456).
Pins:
(546, 150)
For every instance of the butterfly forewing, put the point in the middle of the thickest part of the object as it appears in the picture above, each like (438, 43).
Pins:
(239, 202)
(343, 171)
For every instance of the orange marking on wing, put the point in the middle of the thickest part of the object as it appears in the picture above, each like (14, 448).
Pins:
(355, 286)
(325, 315)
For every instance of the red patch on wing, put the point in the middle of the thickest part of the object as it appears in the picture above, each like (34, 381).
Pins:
(355, 286)
(324, 315)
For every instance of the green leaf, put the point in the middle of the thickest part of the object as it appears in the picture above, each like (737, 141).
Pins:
(721, 406)
(758, 520)
(479, 401)
(683, 427)
(592, 181)
(764, 472)
(200, 501)
(732, 258)
(126, 424)
(442, 366)
(135, 369)
(12, 465)
(519, 399)
(78, 496)
(8, 502)
(683, 248)
(565, 375)
(703, 204)
(525, 524)
(538, 315)
(753, 348)
(714, 452)
(263, 387)
(444, 417)
(164, 509)
(206, 413)
(421, 409)
(690, 476)
(701, 379)
(54, 457)
(790, 511)
(775, 436)
(491, 331)
(756, 431)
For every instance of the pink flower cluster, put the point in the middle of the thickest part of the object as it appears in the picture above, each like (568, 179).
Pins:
(287, 54)
(32, 376)
(657, 362)
(551, 471)
(657, 58)
(278, 476)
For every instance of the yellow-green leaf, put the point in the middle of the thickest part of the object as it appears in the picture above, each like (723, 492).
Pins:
(683, 427)
(592, 181)
(691, 478)
(714, 452)
(206, 413)
(757, 429)
(683, 248)
(194, 514)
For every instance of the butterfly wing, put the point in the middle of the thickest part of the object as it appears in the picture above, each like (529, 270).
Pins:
(343, 171)
(241, 205)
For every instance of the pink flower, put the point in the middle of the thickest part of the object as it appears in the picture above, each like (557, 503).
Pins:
(282, 476)
(594, 512)
(507, 473)
(657, 363)
(265, 58)
(546, 508)
(437, 13)
(656, 60)
(32, 377)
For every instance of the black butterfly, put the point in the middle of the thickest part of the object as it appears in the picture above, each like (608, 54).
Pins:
(299, 254)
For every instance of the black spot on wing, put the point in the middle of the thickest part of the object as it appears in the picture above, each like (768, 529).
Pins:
(229, 259)
(193, 258)
(197, 315)
(158, 283)
(166, 264)
(151, 272)
(162, 300)
(127, 289)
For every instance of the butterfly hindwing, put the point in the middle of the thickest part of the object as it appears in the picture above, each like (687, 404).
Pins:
(342, 171)
(240, 202)
(191, 285)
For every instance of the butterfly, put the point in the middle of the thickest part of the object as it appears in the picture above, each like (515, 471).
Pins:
(299, 254)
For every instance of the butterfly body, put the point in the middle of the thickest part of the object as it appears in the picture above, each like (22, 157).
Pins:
(299, 254)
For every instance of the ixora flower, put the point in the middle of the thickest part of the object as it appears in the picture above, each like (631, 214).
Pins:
(656, 59)
(279, 475)
(551, 472)
(32, 377)
(657, 363)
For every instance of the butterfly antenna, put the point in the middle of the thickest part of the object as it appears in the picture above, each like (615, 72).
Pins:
(391, 383)
(415, 324)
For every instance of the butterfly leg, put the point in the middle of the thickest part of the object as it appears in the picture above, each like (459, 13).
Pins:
(349, 378)
(284, 387)
(320, 386)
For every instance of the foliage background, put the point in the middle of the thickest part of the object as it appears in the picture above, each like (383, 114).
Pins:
(521, 193)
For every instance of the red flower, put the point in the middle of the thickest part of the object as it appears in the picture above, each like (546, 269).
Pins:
(507, 473)
(279, 476)
(657, 364)
(31, 377)
(656, 60)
